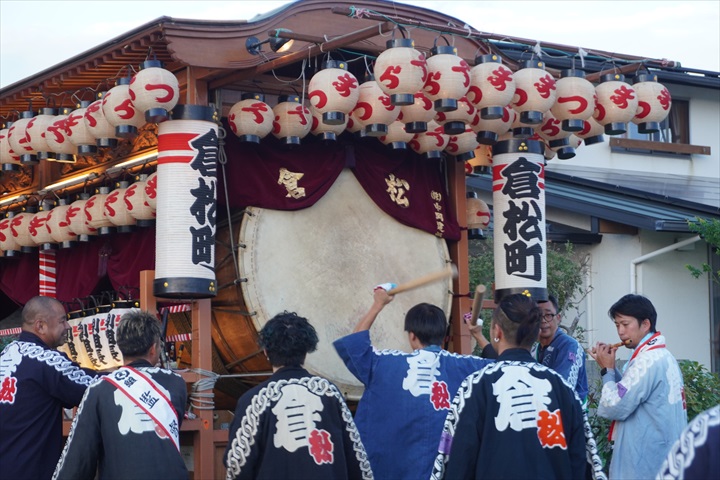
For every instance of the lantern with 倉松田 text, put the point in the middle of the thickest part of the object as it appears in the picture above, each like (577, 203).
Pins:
(492, 86)
(154, 91)
(535, 92)
(448, 78)
(654, 103)
(333, 92)
(575, 100)
(616, 103)
(251, 119)
(401, 71)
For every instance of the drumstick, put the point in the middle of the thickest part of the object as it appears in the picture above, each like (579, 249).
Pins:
(450, 271)
(477, 303)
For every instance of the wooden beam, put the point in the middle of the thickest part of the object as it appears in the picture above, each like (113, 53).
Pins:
(633, 67)
(681, 148)
(312, 51)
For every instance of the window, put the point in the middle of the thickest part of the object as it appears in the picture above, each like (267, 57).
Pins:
(674, 129)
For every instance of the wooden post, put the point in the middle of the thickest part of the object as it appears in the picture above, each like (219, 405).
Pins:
(203, 442)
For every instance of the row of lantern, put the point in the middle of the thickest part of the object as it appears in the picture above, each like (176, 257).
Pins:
(66, 223)
(413, 100)
(60, 134)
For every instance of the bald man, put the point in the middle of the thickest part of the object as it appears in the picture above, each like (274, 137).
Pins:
(36, 382)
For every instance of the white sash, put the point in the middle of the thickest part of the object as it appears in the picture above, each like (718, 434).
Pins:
(143, 391)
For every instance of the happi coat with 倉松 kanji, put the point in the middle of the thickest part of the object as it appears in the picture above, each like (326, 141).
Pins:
(516, 419)
(295, 425)
(406, 399)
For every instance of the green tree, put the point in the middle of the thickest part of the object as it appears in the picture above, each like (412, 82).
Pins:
(709, 230)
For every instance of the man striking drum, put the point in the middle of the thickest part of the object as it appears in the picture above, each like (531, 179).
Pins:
(418, 386)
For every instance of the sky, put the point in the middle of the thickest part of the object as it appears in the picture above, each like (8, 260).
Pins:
(36, 35)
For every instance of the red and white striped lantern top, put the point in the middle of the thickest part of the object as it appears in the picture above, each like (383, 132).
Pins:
(492, 86)
(535, 92)
(616, 103)
(251, 118)
(7, 239)
(95, 209)
(40, 229)
(119, 110)
(136, 201)
(654, 103)
(20, 228)
(151, 190)
(78, 218)
(18, 136)
(7, 154)
(116, 209)
(333, 92)
(36, 131)
(96, 123)
(154, 91)
(292, 120)
(401, 71)
(57, 135)
(575, 100)
(59, 222)
(448, 78)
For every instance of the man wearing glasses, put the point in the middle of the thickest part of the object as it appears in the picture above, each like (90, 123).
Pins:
(554, 349)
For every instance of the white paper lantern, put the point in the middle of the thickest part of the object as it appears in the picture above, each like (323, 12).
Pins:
(616, 103)
(116, 209)
(59, 224)
(251, 119)
(154, 91)
(416, 115)
(20, 141)
(654, 103)
(462, 146)
(327, 132)
(454, 122)
(492, 86)
(401, 71)
(535, 92)
(431, 142)
(374, 109)
(333, 92)
(80, 134)
(8, 244)
(40, 229)
(9, 160)
(489, 130)
(575, 101)
(36, 131)
(397, 137)
(119, 110)
(95, 212)
(592, 132)
(20, 228)
(137, 204)
(448, 78)
(292, 121)
(57, 137)
(78, 219)
(151, 191)
(555, 137)
(98, 126)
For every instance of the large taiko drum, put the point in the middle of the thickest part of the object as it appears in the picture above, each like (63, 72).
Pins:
(322, 262)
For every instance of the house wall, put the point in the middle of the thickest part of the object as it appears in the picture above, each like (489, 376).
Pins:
(682, 302)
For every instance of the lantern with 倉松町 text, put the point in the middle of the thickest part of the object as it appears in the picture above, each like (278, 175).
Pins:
(188, 147)
(401, 71)
(535, 92)
(616, 103)
(154, 91)
(520, 241)
(448, 78)
(333, 92)
(654, 103)
(251, 119)
(575, 100)
(120, 112)
(492, 86)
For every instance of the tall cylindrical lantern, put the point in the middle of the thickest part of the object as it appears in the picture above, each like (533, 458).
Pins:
(8, 244)
(575, 100)
(492, 86)
(59, 225)
(186, 204)
(95, 212)
(20, 141)
(519, 218)
(9, 160)
(292, 120)
(57, 136)
(78, 220)
(333, 92)
(37, 129)
(80, 135)
(430, 143)
(98, 126)
(120, 111)
(489, 130)
(251, 119)
(154, 91)
(654, 103)
(417, 114)
(616, 103)
(116, 208)
(137, 204)
(401, 71)
(535, 92)
(448, 78)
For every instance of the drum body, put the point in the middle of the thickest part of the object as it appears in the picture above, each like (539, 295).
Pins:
(322, 263)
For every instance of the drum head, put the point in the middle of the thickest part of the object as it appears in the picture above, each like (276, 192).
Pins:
(322, 263)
